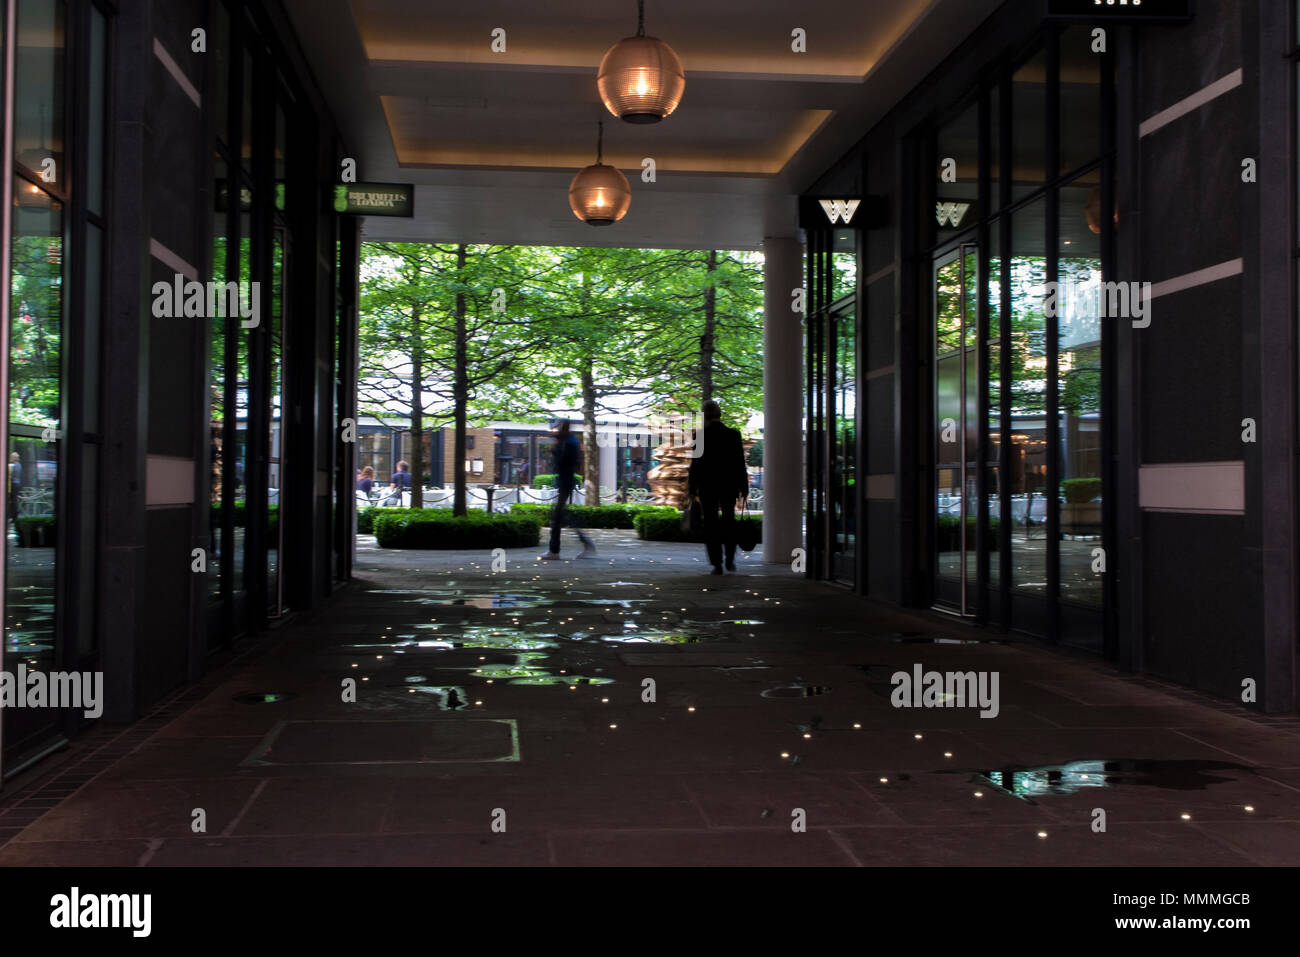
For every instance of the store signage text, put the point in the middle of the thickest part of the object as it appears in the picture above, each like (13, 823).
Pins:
(374, 199)
(1128, 11)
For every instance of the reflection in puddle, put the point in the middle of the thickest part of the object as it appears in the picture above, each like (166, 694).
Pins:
(446, 697)
(653, 637)
(1075, 776)
(796, 691)
(525, 672)
(907, 640)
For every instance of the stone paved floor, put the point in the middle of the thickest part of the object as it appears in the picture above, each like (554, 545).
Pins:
(516, 697)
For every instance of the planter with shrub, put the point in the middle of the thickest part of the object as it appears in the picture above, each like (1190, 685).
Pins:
(665, 525)
(36, 531)
(594, 516)
(547, 480)
(948, 533)
(440, 529)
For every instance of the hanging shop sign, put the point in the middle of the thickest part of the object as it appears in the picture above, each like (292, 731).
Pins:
(1121, 11)
(954, 213)
(373, 199)
(841, 212)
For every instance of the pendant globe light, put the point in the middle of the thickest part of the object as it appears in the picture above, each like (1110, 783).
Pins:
(640, 78)
(599, 194)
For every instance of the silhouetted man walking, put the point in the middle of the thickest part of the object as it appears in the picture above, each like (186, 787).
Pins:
(718, 478)
(566, 464)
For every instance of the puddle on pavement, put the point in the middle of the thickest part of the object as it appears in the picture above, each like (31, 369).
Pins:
(796, 691)
(527, 671)
(473, 636)
(449, 596)
(396, 697)
(650, 636)
(905, 639)
(1076, 776)
(263, 697)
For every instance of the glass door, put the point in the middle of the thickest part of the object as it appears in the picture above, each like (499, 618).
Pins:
(841, 498)
(956, 428)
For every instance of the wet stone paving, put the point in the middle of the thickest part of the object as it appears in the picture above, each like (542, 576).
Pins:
(631, 709)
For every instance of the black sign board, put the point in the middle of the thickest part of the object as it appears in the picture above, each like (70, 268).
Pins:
(373, 199)
(1121, 11)
(841, 212)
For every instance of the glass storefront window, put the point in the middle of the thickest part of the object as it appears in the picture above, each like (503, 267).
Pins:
(1079, 389)
(1080, 92)
(957, 179)
(1028, 439)
(39, 100)
(993, 485)
(34, 506)
(1029, 127)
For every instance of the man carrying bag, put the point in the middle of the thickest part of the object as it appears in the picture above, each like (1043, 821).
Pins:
(717, 480)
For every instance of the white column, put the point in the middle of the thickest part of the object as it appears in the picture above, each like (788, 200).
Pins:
(783, 376)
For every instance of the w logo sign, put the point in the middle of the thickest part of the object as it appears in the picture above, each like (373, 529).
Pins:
(950, 213)
(840, 208)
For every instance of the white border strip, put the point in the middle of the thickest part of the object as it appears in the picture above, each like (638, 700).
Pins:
(1206, 488)
(1233, 267)
(1190, 103)
(171, 260)
(177, 73)
(168, 481)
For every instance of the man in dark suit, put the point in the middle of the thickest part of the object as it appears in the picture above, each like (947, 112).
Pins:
(718, 478)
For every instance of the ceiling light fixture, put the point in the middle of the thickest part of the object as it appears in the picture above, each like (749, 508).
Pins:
(640, 78)
(599, 194)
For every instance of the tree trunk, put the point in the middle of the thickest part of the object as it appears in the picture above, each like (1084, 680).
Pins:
(709, 337)
(590, 447)
(460, 391)
(417, 412)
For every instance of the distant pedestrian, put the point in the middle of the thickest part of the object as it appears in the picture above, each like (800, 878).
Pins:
(366, 480)
(401, 481)
(566, 464)
(719, 481)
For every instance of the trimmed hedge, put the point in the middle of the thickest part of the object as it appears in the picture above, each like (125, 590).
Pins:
(661, 527)
(36, 531)
(366, 516)
(1079, 491)
(241, 517)
(594, 516)
(439, 528)
(547, 480)
(948, 533)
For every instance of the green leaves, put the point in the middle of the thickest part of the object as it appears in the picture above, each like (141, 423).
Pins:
(606, 331)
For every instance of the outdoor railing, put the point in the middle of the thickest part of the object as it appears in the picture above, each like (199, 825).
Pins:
(503, 496)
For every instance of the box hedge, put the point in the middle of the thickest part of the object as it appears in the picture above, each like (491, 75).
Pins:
(547, 480)
(1079, 491)
(594, 516)
(948, 533)
(666, 526)
(35, 531)
(439, 528)
(366, 516)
